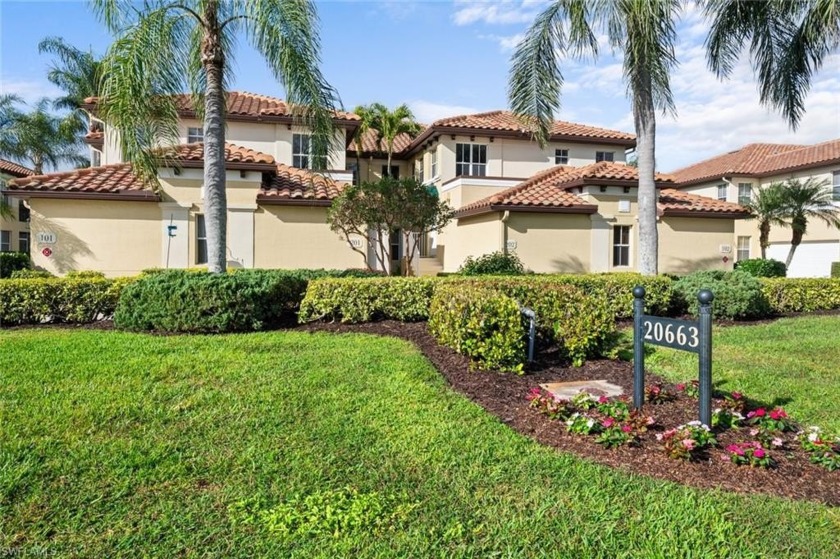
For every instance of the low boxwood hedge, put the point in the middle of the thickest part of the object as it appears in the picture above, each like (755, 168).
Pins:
(801, 294)
(56, 300)
(363, 300)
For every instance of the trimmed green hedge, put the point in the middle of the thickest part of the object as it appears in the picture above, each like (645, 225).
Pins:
(835, 269)
(801, 294)
(762, 267)
(12, 262)
(617, 290)
(72, 300)
(184, 301)
(494, 264)
(363, 300)
(738, 295)
(480, 323)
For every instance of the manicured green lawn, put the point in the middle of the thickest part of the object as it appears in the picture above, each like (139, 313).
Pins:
(125, 445)
(794, 362)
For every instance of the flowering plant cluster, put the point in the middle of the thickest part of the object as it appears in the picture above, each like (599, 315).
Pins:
(657, 394)
(546, 403)
(823, 450)
(726, 418)
(774, 420)
(582, 425)
(687, 441)
(615, 434)
(690, 388)
(616, 409)
(751, 454)
(734, 401)
(583, 401)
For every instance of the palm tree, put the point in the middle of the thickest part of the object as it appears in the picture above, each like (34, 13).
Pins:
(804, 200)
(38, 138)
(789, 40)
(164, 48)
(390, 124)
(76, 72)
(644, 31)
(767, 207)
(366, 115)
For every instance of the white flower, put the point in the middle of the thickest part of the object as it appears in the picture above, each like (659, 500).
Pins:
(737, 416)
(590, 422)
(694, 423)
(813, 437)
(717, 410)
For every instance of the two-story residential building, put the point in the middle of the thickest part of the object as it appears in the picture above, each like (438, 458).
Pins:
(570, 206)
(733, 177)
(14, 228)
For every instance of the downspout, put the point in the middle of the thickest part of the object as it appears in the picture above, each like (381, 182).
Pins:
(503, 231)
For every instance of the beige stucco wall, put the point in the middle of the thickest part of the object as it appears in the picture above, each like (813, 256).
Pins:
(473, 236)
(688, 244)
(299, 237)
(117, 238)
(371, 168)
(550, 242)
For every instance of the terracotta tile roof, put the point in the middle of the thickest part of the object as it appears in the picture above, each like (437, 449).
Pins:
(235, 156)
(293, 186)
(109, 181)
(549, 190)
(244, 104)
(825, 153)
(507, 121)
(12, 168)
(676, 202)
(401, 143)
(747, 160)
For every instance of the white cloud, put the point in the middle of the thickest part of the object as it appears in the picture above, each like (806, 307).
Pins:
(496, 12)
(428, 111)
(29, 90)
(506, 42)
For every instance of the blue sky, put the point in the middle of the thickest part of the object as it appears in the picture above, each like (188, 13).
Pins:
(446, 58)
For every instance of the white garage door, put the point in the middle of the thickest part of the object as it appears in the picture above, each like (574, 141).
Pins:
(811, 260)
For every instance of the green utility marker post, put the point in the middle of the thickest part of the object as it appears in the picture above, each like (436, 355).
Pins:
(685, 335)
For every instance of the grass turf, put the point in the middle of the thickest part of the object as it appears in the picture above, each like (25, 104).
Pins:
(792, 362)
(127, 445)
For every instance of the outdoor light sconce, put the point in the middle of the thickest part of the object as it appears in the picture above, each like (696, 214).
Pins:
(603, 188)
(176, 171)
(243, 173)
(626, 189)
(170, 230)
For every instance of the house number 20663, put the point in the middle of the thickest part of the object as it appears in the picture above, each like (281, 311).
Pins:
(680, 334)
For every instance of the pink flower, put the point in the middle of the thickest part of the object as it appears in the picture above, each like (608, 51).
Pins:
(778, 414)
(603, 400)
(753, 432)
(681, 387)
(608, 422)
(777, 442)
(735, 449)
(688, 444)
(760, 412)
(626, 428)
(759, 453)
(669, 433)
(655, 389)
(650, 420)
(737, 396)
(534, 393)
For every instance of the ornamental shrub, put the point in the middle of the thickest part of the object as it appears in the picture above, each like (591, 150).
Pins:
(69, 300)
(617, 290)
(738, 295)
(494, 264)
(13, 261)
(786, 295)
(481, 323)
(85, 274)
(183, 301)
(363, 300)
(762, 267)
(28, 273)
(835, 269)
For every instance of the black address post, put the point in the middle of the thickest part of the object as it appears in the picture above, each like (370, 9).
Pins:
(705, 298)
(638, 348)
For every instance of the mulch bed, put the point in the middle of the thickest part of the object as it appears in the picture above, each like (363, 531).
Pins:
(504, 395)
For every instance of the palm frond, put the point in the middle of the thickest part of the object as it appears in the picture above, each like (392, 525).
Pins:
(535, 79)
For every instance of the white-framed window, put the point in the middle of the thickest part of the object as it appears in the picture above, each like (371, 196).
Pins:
(604, 156)
(621, 245)
(470, 160)
(561, 157)
(418, 170)
(743, 252)
(200, 240)
(433, 164)
(744, 193)
(195, 135)
(23, 241)
(394, 245)
(23, 211)
(835, 186)
(301, 148)
(5, 241)
(394, 173)
(95, 158)
(721, 192)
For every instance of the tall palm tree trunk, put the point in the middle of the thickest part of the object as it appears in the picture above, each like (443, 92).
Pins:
(764, 238)
(215, 199)
(644, 116)
(795, 241)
